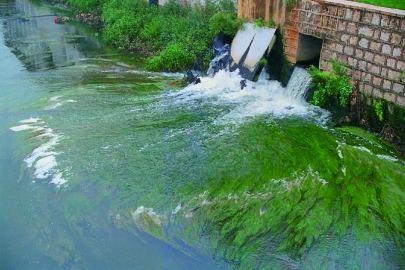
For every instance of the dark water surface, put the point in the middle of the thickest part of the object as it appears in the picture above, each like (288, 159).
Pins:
(106, 166)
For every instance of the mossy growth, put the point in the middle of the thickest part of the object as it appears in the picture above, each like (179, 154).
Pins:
(379, 109)
(297, 186)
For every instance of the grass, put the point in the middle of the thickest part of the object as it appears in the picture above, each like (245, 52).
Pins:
(399, 4)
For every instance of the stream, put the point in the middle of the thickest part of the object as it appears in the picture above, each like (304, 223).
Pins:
(106, 166)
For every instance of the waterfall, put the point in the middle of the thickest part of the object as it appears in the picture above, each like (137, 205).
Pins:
(264, 97)
(299, 83)
(220, 61)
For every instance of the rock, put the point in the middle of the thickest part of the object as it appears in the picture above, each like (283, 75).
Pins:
(192, 78)
(61, 19)
(243, 84)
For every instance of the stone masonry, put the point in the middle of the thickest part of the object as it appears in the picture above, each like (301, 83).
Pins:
(370, 40)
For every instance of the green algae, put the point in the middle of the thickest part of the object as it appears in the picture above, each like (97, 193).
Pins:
(294, 190)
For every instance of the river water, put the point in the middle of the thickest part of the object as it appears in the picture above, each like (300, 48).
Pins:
(106, 166)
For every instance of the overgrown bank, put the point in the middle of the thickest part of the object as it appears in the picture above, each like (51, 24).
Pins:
(334, 91)
(173, 36)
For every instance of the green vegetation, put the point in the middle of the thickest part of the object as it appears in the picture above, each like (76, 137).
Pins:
(174, 36)
(331, 87)
(298, 187)
(379, 109)
(262, 23)
(263, 62)
(224, 22)
(400, 4)
(86, 5)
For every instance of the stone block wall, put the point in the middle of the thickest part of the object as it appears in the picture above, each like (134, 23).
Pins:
(370, 40)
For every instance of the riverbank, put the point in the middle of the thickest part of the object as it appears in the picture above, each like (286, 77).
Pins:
(174, 36)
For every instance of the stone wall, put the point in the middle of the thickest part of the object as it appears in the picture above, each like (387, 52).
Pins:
(370, 40)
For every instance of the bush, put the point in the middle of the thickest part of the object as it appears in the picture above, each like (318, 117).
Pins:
(224, 22)
(331, 87)
(173, 57)
(162, 31)
(85, 5)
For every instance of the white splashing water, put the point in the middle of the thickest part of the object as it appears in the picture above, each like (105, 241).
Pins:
(42, 158)
(263, 97)
(143, 212)
(299, 83)
(55, 102)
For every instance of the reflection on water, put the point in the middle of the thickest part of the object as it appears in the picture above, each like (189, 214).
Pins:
(40, 43)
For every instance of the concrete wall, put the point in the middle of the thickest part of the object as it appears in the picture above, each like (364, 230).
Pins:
(370, 40)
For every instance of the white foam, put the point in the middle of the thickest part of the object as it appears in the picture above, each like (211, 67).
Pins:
(364, 149)
(142, 210)
(58, 180)
(177, 209)
(30, 120)
(386, 157)
(44, 166)
(55, 102)
(43, 150)
(257, 98)
(43, 158)
(22, 127)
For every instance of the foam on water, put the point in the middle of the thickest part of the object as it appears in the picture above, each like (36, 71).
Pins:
(42, 158)
(55, 102)
(257, 98)
(143, 212)
(386, 157)
(30, 120)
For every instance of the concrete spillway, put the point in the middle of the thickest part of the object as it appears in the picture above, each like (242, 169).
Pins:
(250, 44)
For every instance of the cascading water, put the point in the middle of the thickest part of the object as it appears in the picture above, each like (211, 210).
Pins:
(299, 83)
(257, 98)
(220, 61)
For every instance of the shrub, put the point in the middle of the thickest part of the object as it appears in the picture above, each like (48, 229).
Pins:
(123, 31)
(331, 87)
(173, 57)
(85, 5)
(224, 22)
(152, 33)
(162, 31)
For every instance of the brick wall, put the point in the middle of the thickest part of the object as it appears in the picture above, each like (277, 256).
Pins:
(369, 40)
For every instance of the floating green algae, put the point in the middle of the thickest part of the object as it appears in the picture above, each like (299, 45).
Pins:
(289, 185)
